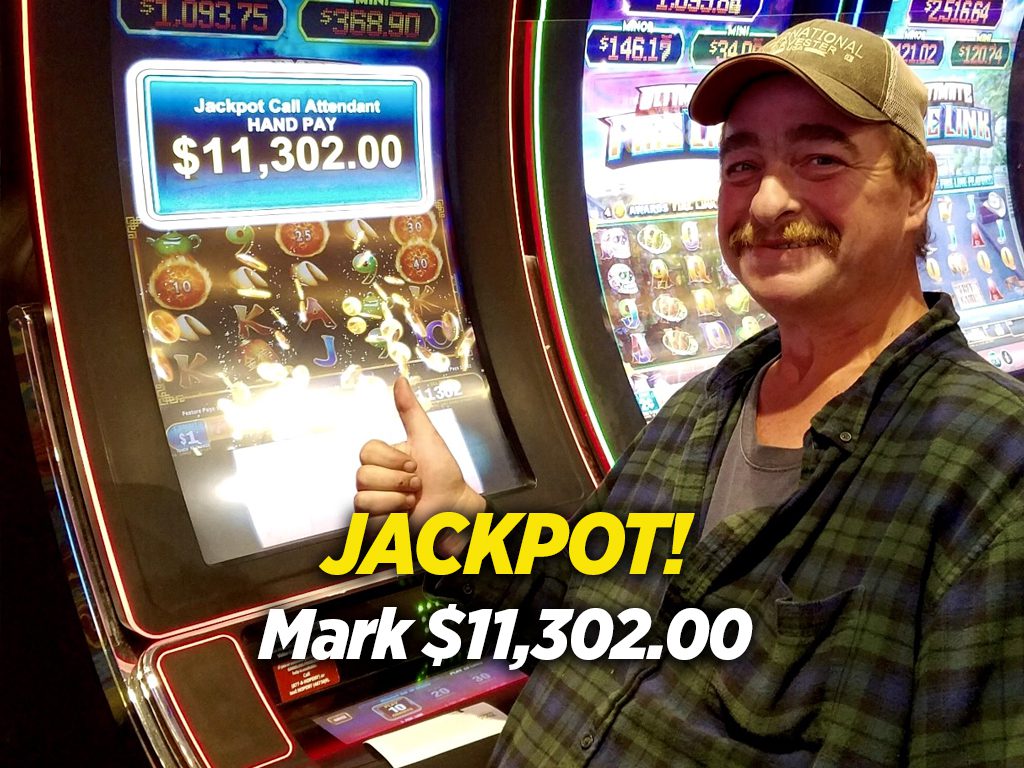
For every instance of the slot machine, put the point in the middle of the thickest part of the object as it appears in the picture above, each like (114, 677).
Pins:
(965, 54)
(251, 217)
(625, 186)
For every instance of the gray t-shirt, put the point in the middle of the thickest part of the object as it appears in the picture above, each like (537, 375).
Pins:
(752, 475)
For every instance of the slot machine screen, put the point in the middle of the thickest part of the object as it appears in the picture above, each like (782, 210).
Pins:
(285, 220)
(963, 52)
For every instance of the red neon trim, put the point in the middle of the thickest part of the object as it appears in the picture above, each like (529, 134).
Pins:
(65, 368)
(255, 683)
(78, 434)
(585, 454)
(43, 241)
(559, 330)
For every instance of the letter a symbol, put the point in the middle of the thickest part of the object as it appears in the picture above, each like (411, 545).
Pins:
(314, 312)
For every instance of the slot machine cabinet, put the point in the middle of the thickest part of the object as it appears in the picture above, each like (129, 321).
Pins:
(966, 55)
(177, 598)
(41, 622)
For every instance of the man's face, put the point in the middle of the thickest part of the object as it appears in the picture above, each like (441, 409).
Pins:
(812, 219)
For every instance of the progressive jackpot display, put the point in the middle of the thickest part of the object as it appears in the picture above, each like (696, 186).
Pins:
(962, 50)
(286, 223)
(265, 141)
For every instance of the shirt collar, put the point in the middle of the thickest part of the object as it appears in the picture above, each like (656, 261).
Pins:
(842, 419)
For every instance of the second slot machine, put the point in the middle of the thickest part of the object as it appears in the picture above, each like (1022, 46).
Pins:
(625, 185)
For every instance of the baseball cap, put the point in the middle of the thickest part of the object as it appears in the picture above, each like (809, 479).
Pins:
(859, 72)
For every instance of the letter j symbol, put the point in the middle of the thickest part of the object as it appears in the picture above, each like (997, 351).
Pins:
(332, 356)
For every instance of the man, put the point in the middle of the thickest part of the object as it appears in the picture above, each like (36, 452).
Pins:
(857, 470)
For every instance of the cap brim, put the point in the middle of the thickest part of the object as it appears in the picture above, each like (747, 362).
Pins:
(717, 92)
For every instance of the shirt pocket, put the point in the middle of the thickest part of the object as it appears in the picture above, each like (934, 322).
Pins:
(777, 690)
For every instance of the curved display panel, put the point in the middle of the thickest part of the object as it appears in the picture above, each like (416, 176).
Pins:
(288, 235)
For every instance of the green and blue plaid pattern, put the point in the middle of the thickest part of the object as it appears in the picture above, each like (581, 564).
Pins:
(887, 593)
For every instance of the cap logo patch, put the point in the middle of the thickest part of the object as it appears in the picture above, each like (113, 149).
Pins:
(855, 70)
(821, 42)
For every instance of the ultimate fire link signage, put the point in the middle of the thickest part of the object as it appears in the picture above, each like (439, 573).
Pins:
(659, 129)
(954, 119)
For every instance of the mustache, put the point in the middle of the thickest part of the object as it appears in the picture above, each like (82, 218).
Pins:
(795, 233)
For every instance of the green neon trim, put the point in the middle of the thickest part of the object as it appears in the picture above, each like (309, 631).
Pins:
(538, 163)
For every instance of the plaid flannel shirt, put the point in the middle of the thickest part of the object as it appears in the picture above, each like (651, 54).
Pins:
(887, 594)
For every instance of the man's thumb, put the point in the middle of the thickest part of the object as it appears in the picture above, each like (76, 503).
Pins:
(414, 418)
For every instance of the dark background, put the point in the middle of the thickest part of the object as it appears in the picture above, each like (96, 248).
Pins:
(52, 709)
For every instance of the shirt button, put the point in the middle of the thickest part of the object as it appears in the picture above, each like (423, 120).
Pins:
(467, 589)
(845, 437)
(587, 740)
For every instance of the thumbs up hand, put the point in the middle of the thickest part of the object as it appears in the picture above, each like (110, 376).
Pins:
(419, 476)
